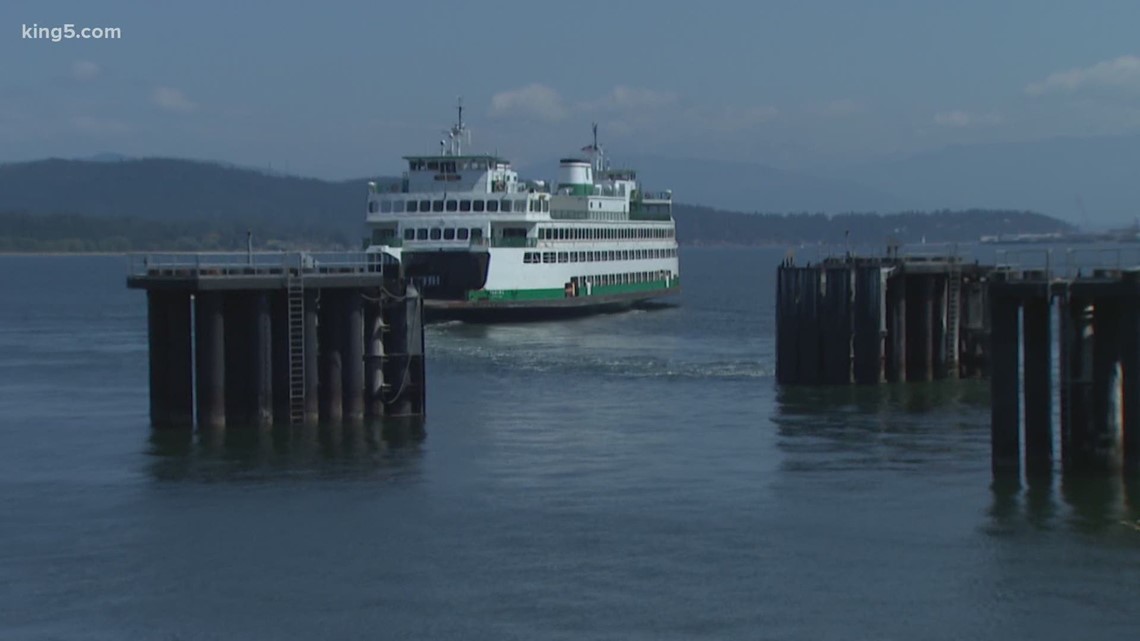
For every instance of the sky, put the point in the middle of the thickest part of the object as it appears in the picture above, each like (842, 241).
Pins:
(343, 89)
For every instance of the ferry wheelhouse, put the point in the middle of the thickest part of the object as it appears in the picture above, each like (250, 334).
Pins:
(477, 239)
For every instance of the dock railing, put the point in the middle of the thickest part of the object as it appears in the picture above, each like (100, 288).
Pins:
(254, 263)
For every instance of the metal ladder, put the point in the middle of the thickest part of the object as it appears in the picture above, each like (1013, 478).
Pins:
(295, 291)
(953, 311)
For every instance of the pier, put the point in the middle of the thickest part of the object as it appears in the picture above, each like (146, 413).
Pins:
(1090, 319)
(261, 339)
(891, 318)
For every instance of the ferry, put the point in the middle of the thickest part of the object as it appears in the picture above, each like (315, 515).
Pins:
(479, 242)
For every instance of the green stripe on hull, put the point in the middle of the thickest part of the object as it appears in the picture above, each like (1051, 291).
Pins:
(554, 293)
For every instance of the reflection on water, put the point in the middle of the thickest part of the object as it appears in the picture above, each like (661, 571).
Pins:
(1085, 504)
(389, 449)
(884, 426)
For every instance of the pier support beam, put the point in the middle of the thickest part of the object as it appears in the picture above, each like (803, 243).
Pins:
(896, 329)
(241, 313)
(374, 358)
(807, 319)
(210, 351)
(1004, 387)
(353, 366)
(171, 377)
(835, 326)
(867, 326)
(261, 345)
(1038, 367)
(312, 359)
(1130, 360)
(1076, 389)
(397, 371)
(279, 305)
(331, 344)
(1103, 448)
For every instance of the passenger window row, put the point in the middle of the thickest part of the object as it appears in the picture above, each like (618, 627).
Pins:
(597, 256)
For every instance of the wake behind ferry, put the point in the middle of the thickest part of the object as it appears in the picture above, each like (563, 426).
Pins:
(481, 243)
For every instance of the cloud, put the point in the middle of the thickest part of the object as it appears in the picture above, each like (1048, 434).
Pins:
(962, 119)
(172, 99)
(1119, 73)
(85, 70)
(624, 98)
(534, 101)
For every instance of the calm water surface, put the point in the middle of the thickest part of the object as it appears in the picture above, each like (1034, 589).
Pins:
(632, 476)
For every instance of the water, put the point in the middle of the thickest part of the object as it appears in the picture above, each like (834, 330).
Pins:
(634, 476)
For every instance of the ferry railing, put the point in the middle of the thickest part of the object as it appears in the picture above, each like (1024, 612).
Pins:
(253, 263)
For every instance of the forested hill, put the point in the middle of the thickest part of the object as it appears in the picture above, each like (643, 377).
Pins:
(70, 205)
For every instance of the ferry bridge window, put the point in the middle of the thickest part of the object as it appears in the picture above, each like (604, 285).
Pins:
(425, 206)
(409, 234)
(461, 233)
(465, 205)
(506, 206)
(412, 206)
(385, 206)
(421, 233)
(476, 233)
(372, 206)
(435, 233)
(452, 205)
(437, 206)
(545, 205)
(398, 206)
(492, 205)
(449, 233)
(478, 205)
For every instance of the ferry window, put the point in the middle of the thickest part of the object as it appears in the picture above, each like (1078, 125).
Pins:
(476, 233)
(435, 233)
(548, 257)
(478, 205)
(528, 257)
(545, 205)
(412, 206)
(532, 205)
(425, 206)
(409, 234)
(465, 205)
(573, 257)
(452, 205)
(421, 233)
(506, 206)
(398, 206)
(385, 206)
(433, 165)
(449, 233)
(614, 255)
(563, 257)
(372, 206)
(437, 206)
(492, 205)
(461, 233)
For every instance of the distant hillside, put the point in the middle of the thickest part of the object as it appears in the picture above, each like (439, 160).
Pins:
(172, 190)
(1092, 181)
(703, 225)
(69, 205)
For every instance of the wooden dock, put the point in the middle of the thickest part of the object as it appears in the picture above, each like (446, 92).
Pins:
(870, 320)
(280, 338)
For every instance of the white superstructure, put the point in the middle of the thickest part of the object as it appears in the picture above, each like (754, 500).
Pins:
(473, 235)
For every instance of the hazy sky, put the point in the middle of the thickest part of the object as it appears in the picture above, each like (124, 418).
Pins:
(343, 90)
